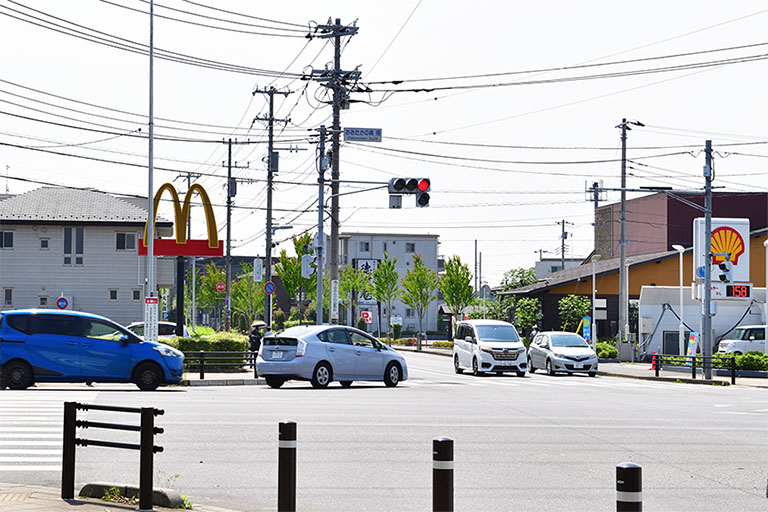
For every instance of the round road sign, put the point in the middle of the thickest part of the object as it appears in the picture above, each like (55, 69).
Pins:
(62, 303)
(221, 286)
(269, 287)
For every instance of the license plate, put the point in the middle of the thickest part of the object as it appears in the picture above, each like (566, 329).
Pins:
(578, 365)
(277, 354)
(506, 363)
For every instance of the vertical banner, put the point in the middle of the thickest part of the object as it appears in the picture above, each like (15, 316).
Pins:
(367, 266)
(150, 318)
(693, 341)
(586, 328)
(334, 296)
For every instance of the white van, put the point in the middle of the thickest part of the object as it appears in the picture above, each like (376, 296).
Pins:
(743, 339)
(488, 346)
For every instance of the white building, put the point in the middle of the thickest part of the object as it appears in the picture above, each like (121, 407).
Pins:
(361, 249)
(80, 245)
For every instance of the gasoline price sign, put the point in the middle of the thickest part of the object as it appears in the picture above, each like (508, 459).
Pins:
(738, 291)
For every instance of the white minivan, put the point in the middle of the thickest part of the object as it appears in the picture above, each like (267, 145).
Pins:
(488, 346)
(743, 339)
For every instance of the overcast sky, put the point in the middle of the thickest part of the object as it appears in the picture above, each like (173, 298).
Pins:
(508, 161)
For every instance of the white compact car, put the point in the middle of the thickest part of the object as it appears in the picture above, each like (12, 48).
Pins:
(488, 346)
(743, 339)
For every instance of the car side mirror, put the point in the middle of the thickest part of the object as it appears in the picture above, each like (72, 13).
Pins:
(752, 338)
(469, 339)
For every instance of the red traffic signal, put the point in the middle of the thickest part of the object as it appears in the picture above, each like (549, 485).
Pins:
(423, 184)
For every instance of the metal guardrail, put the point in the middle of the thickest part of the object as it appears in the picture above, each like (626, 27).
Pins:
(202, 360)
(659, 360)
(146, 447)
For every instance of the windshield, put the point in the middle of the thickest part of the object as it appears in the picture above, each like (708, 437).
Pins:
(737, 334)
(497, 333)
(568, 340)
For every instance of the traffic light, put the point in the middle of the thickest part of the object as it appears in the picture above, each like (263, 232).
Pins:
(422, 192)
(726, 269)
(306, 265)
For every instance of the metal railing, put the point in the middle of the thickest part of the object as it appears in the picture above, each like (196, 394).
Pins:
(146, 447)
(729, 362)
(201, 360)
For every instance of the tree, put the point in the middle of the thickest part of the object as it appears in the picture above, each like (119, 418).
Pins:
(247, 297)
(518, 277)
(456, 286)
(572, 309)
(207, 296)
(352, 283)
(384, 287)
(528, 313)
(288, 268)
(419, 286)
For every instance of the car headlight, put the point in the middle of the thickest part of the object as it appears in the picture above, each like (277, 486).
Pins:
(557, 354)
(486, 349)
(167, 351)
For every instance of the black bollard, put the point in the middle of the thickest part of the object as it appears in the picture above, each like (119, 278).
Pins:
(629, 487)
(442, 474)
(68, 451)
(286, 467)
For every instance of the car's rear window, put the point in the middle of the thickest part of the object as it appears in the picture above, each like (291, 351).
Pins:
(21, 323)
(287, 342)
(497, 333)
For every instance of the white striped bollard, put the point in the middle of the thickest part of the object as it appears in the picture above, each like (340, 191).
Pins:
(286, 467)
(442, 474)
(629, 487)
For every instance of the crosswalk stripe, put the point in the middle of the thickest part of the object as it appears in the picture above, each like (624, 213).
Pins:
(26, 467)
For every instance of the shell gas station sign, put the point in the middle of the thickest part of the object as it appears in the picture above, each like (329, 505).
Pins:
(728, 257)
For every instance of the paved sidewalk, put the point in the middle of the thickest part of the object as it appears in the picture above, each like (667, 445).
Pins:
(32, 498)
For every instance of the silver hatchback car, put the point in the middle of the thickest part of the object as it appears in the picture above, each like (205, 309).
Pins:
(561, 352)
(324, 353)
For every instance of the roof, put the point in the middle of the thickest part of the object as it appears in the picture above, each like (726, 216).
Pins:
(61, 204)
(389, 235)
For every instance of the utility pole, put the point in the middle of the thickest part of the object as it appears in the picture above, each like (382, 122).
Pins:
(180, 267)
(706, 318)
(271, 169)
(231, 192)
(322, 165)
(476, 288)
(337, 80)
(563, 237)
(150, 308)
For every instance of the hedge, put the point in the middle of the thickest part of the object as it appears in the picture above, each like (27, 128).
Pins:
(748, 361)
(217, 342)
(606, 351)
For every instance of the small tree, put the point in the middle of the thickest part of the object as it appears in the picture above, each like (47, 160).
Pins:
(419, 286)
(528, 313)
(572, 309)
(208, 296)
(352, 283)
(456, 286)
(384, 287)
(247, 297)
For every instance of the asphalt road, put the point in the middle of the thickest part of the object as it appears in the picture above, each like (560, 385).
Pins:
(538, 443)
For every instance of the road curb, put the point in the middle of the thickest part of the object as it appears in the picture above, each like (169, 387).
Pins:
(161, 497)
(666, 379)
(225, 382)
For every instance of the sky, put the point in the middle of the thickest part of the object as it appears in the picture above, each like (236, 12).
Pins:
(510, 108)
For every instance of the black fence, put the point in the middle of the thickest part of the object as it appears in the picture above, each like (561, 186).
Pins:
(200, 361)
(146, 447)
(720, 362)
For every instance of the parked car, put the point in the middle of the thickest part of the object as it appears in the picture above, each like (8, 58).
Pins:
(164, 329)
(488, 345)
(562, 352)
(325, 353)
(43, 345)
(743, 339)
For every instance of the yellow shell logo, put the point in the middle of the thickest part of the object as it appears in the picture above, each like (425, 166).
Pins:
(727, 239)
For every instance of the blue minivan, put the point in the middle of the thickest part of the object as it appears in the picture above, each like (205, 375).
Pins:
(46, 345)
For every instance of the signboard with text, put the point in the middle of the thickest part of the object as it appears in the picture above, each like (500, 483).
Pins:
(362, 134)
(729, 245)
(150, 318)
(334, 296)
(367, 266)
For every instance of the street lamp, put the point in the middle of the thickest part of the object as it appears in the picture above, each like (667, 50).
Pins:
(681, 340)
(593, 332)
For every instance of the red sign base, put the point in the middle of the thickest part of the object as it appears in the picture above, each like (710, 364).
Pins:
(169, 247)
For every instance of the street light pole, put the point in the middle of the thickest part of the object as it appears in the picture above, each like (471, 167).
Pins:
(593, 333)
(681, 340)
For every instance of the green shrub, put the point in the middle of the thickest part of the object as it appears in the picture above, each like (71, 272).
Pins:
(442, 344)
(291, 323)
(606, 351)
(201, 330)
(752, 361)
(278, 323)
(216, 342)
(407, 342)
(397, 329)
(362, 324)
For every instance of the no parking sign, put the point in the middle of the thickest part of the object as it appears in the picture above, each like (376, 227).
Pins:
(62, 303)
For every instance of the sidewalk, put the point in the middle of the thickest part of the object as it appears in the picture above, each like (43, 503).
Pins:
(32, 498)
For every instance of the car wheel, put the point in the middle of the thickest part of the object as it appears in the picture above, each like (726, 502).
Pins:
(737, 353)
(321, 377)
(550, 368)
(392, 375)
(475, 370)
(148, 376)
(531, 368)
(521, 374)
(346, 383)
(456, 367)
(18, 375)
(273, 381)
(593, 374)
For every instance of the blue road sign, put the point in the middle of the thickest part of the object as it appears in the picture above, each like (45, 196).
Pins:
(62, 303)
(701, 272)
(362, 134)
(269, 287)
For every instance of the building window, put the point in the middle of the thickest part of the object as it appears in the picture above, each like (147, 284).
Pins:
(6, 239)
(410, 247)
(7, 296)
(42, 301)
(554, 268)
(126, 242)
(365, 246)
(136, 294)
(113, 295)
(73, 246)
(409, 313)
(44, 243)
(385, 246)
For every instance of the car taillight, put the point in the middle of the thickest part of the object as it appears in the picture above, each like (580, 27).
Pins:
(301, 347)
